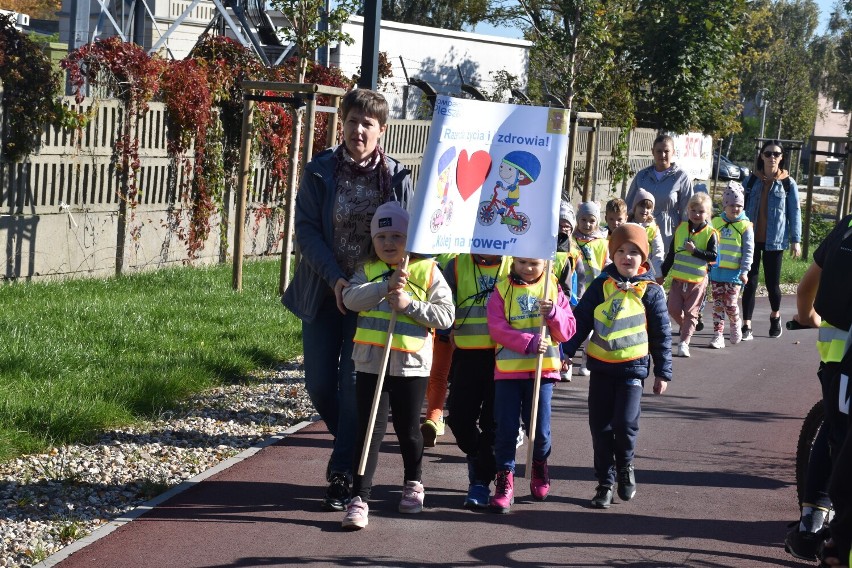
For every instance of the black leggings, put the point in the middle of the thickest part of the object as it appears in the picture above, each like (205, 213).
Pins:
(403, 397)
(771, 275)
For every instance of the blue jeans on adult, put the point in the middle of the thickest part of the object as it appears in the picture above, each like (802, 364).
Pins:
(330, 378)
(614, 408)
(513, 401)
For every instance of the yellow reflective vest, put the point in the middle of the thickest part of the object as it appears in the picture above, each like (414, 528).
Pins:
(521, 310)
(831, 343)
(730, 241)
(408, 335)
(620, 328)
(593, 252)
(474, 284)
(686, 267)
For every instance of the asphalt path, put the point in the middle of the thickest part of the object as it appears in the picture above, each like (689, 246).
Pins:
(714, 470)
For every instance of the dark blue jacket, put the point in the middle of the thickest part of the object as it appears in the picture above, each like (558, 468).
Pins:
(659, 329)
(318, 270)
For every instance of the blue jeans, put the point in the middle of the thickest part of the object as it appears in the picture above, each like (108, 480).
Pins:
(330, 378)
(614, 408)
(512, 402)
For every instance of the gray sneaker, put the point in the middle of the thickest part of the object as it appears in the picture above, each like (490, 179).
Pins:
(747, 336)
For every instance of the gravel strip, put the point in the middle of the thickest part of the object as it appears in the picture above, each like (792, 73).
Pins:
(53, 499)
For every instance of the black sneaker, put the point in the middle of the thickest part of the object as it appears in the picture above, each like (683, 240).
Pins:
(700, 324)
(626, 483)
(804, 545)
(775, 327)
(747, 336)
(603, 497)
(337, 494)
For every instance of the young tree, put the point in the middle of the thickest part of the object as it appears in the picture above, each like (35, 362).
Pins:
(683, 53)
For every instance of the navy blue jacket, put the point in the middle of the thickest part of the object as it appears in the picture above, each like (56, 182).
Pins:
(659, 329)
(318, 270)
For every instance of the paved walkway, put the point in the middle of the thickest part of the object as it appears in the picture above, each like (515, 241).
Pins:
(714, 473)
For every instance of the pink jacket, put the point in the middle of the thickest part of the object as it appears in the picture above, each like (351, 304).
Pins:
(560, 323)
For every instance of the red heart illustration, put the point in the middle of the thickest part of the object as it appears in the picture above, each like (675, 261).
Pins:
(472, 171)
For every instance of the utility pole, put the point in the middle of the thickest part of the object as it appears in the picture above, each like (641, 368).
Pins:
(762, 102)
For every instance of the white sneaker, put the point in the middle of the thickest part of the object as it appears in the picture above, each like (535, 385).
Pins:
(736, 333)
(357, 515)
(683, 351)
(584, 371)
(520, 441)
(718, 341)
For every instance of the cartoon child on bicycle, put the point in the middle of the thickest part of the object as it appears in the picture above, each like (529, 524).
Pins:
(517, 168)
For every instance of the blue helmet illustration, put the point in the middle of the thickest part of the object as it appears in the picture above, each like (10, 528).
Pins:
(525, 163)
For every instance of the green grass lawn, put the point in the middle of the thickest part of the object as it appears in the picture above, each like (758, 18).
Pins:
(80, 356)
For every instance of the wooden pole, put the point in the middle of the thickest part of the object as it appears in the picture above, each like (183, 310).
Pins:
(371, 424)
(242, 189)
(537, 381)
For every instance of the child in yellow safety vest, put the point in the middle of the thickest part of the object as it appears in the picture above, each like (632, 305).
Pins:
(472, 278)
(421, 300)
(592, 244)
(625, 310)
(730, 272)
(515, 312)
(568, 269)
(642, 213)
(693, 248)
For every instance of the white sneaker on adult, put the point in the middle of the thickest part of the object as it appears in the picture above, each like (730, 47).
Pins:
(683, 350)
(718, 341)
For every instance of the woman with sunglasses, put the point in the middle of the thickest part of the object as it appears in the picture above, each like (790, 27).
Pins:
(772, 204)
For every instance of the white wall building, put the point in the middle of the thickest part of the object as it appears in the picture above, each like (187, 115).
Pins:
(434, 55)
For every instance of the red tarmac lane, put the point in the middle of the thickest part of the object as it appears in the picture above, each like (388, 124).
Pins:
(714, 470)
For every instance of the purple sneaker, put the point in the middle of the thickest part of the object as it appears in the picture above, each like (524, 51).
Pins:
(412, 497)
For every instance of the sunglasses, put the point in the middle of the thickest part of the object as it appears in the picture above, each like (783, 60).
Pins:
(772, 154)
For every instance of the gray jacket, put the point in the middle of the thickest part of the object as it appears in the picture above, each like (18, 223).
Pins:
(437, 312)
(318, 270)
(671, 194)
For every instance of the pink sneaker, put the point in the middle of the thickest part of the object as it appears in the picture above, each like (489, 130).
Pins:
(412, 497)
(504, 492)
(540, 480)
(357, 515)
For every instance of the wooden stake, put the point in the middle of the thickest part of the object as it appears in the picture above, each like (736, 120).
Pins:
(537, 381)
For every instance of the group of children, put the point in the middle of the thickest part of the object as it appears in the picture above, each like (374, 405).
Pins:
(603, 288)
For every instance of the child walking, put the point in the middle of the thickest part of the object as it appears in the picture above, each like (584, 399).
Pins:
(736, 250)
(568, 270)
(422, 300)
(591, 242)
(693, 248)
(643, 214)
(472, 278)
(615, 215)
(515, 314)
(625, 310)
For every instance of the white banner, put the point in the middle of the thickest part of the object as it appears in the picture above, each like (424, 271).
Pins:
(491, 180)
(694, 154)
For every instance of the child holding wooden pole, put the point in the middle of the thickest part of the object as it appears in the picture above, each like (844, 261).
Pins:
(398, 303)
(515, 312)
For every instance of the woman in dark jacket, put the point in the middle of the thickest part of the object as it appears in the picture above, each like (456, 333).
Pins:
(340, 190)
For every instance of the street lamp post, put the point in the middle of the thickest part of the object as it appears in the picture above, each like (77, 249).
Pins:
(763, 103)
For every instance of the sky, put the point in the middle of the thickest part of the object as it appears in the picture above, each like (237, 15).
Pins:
(825, 7)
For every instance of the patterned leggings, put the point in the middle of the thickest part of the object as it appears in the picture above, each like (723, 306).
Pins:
(725, 296)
